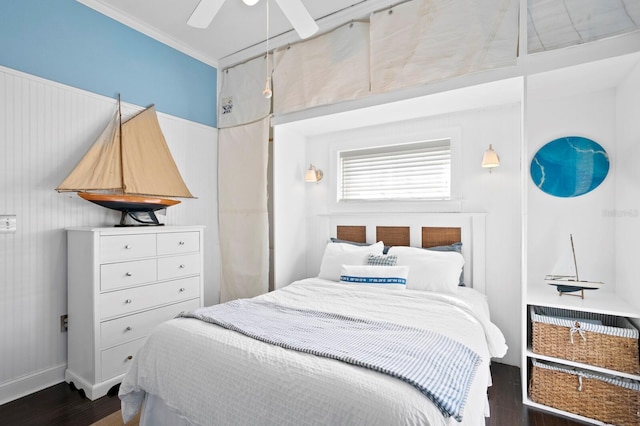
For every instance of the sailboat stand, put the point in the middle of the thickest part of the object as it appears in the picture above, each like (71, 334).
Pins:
(140, 209)
(129, 168)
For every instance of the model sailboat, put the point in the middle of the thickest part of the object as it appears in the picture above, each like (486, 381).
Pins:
(129, 169)
(570, 283)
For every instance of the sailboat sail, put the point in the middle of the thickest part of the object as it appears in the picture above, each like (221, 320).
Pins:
(148, 167)
(130, 166)
(100, 168)
(143, 165)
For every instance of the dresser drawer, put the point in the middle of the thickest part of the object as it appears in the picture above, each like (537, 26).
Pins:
(126, 247)
(125, 274)
(135, 326)
(178, 266)
(130, 300)
(116, 361)
(178, 243)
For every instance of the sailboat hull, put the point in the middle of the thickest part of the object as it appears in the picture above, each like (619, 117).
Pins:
(128, 203)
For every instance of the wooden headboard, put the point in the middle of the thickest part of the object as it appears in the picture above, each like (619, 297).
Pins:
(421, 230)
(432, 236)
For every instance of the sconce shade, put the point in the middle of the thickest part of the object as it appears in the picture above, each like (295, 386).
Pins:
(250, 2)
(310, 176)
(313, 175)
(490, 158)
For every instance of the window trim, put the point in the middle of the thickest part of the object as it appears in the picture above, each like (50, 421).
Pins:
(389, 151)
(388, 136)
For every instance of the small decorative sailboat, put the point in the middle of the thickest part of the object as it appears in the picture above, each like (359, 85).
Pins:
(566, 284)
(129, 169)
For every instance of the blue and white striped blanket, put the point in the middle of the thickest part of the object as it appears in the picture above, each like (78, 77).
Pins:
(438, 366)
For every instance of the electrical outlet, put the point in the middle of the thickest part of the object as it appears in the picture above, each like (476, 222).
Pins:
(64, 322)
(7, 223)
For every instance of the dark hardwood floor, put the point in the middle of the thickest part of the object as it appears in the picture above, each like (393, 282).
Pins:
(59, 405)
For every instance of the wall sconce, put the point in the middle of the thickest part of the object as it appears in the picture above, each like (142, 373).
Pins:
(490, 159)
(313, 174)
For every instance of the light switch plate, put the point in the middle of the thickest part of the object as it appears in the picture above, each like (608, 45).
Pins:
(8, 223)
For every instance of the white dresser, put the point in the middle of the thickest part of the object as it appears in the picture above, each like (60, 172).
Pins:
(122, 282)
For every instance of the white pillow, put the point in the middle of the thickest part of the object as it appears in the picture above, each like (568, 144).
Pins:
(338, 254)
(430, 270)
(391, 277)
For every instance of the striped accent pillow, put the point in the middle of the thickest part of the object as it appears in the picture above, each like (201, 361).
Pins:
(382, 260)
(391, 277)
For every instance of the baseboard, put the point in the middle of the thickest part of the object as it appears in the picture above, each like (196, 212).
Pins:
(35, 382)
(92, 391)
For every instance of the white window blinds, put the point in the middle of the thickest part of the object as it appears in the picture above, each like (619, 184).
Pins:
(415, 171)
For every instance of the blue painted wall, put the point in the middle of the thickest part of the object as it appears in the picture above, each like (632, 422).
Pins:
(67, 42)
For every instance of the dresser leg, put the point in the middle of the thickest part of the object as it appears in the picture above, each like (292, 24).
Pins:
(114, 390)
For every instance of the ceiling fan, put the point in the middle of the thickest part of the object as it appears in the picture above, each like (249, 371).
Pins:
(294, 10)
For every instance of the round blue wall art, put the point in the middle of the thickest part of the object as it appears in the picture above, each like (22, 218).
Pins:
(569, 166)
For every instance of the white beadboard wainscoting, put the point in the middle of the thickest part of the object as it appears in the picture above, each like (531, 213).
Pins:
(45, 128)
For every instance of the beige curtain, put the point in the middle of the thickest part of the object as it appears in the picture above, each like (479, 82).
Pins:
(242, 204)
(330, 68)
(554, 24)
(241, 100)
(422, 41)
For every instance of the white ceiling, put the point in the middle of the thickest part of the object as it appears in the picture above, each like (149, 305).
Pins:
(235, 29)
(238, 31)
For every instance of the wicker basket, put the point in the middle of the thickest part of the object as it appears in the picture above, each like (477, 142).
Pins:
(608, 399)
(601, 340)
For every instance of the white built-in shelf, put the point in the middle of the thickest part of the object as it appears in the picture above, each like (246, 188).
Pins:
(596, 301)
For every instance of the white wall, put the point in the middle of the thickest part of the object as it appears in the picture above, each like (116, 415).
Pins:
(497, 194)
(627, 169)
(288, 206)
(45, 128)
(551, 219)
(595, 99)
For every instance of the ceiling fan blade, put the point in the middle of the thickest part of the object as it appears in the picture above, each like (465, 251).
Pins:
(204, 13)
(299, 17)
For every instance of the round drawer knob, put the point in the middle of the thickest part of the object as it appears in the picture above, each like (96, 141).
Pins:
(182, 266)
(128, 247)
(181, 243)
(128, 328)
(182, 290)
(129, 274)
(128, 301)
(130, 357)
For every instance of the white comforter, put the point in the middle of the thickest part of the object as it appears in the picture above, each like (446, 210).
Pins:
(208, 375)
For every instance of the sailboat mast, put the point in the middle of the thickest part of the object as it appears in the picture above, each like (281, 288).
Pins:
(120, 141)
(575, 262)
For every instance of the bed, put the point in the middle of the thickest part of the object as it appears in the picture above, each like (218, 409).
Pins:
(202, 368)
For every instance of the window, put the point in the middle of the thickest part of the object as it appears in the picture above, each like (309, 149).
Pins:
(410, 171)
